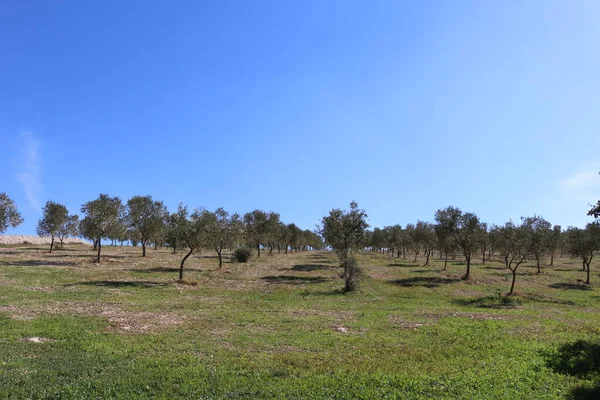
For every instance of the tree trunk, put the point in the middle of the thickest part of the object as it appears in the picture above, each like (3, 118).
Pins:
(514, 279)
(404, 252)
(183, 262)
(589, 261)
(446, 262)
(99, 248)
(220, 258)
(468, 272)
(427, 254)
(51, 244)
(143, 248)
(552, 259)
(258, 248)
(539, 269)
(587, 280)
(484, 256)
(286, 249)
(416, 254)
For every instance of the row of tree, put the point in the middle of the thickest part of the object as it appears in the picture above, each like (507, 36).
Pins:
(143, 220)
(534, 239)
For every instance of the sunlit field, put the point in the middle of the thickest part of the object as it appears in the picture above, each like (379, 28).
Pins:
(280, 327)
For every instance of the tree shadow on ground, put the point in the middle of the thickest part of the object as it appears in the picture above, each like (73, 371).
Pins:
(336, 292)
(88, 255)
(425, 281)
(120, 284)
(12, 252)
(580, 359)
(294, 280)
(402, 264)
(317, 258)
(570, 286)
(308, 267)
(542, 298)
(39, 263)
(494, 267)
(158, 269)
(488, 302)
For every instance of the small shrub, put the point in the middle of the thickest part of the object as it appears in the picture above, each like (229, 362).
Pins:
(353, 274)
(242, 254)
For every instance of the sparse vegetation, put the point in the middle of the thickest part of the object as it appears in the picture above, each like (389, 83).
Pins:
(275, 326)
(278, 327)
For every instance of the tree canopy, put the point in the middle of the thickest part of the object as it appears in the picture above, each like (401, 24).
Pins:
(344, 231)
(54, 218)
(9, 215)
(145, 219)
(103, 218)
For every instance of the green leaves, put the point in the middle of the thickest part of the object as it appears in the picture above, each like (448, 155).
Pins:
(54, 217)
(146, 219)
(103, 217)
(9, 215)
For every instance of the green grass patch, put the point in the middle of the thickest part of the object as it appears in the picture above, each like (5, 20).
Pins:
(280, 327)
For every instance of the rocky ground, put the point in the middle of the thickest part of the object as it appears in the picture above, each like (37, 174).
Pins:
(23, 239)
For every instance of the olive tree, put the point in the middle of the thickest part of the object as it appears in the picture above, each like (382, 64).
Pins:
(194, 231)
(222, 230)
(103, 217)
(595, 210)
(344, 231)
(9, 215)
(54, 216)
(483, 240)
(424, 237)
(395, 237)
(69, 228)
(464, 228)
(272, 230)
(541, 236)
(554, 241)
(517, 244)
(173, 235)
(583, 243)
(445, 242)
(145, 219)
(294, 237)
(256, 225)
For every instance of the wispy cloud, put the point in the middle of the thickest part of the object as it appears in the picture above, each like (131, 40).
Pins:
(585, 178)
(582, 186)
(29, 169)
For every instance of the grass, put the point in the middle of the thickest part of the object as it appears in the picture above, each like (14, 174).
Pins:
(279, 327)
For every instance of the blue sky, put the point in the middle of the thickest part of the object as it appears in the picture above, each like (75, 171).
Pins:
(302, 106)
